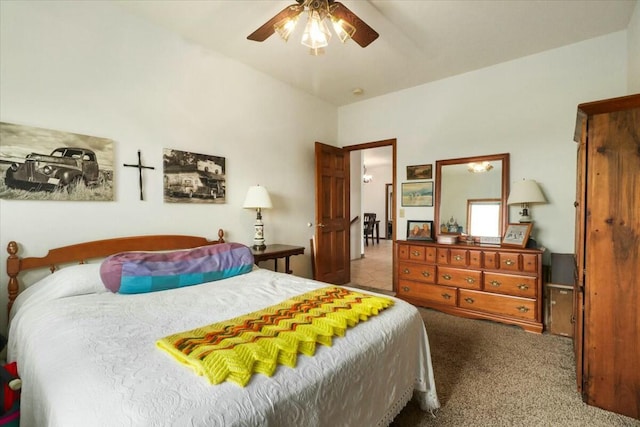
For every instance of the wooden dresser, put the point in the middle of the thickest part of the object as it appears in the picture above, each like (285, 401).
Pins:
(607, 291)
(486, 282)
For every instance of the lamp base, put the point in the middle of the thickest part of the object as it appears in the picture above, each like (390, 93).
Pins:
(260, 247)
(258, 236)
(524, 214)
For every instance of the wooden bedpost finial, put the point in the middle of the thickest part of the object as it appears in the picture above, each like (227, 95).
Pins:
(220, 235)
(13, 268)
(12, 248)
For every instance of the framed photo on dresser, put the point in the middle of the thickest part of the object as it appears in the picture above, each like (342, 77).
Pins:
(420, 230)
(517, 234)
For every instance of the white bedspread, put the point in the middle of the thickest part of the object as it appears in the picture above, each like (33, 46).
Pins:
(91, 359)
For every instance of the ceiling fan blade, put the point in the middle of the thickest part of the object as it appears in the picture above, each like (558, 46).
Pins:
(266, 30)
(364, 34)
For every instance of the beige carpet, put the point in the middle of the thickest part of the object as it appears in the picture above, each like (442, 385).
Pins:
(489, 374)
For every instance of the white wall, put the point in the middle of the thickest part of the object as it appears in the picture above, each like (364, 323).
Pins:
(374, 192)
(633, 41)
(91, 68)
(355, 204)
(525, 107)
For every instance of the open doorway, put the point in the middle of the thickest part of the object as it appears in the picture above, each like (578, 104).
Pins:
(372, 183)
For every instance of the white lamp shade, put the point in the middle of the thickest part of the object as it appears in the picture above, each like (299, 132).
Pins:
(257, 198)
(525, 191)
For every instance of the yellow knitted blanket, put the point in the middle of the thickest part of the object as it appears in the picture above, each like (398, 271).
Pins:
(234, 349)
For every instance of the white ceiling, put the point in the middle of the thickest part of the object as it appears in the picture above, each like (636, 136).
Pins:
(420, 40)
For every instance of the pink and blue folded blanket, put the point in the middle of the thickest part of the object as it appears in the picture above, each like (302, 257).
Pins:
(140, 272)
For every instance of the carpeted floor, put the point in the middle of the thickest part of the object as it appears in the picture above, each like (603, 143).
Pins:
(489, 374)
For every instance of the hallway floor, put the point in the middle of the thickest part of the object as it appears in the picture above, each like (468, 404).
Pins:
(375, 269)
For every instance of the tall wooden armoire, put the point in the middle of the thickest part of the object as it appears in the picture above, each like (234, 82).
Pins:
(607, 248)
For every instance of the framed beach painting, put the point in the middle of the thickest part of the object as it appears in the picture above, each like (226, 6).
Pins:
(417, 193)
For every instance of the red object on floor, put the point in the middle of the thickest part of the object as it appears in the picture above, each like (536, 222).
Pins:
(10, 414)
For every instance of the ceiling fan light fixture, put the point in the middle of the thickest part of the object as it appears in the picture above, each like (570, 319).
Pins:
(286, 27)
(479, 167)
(343, 29)
(366, 178)
(317, 51)
(316, 34)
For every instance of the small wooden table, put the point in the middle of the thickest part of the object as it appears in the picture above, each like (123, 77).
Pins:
(277, 251)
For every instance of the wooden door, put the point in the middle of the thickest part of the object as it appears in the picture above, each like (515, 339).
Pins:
(612, 267)
(332, 214)
(580, 204)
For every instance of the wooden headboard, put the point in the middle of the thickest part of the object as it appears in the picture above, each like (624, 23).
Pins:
(81, 252)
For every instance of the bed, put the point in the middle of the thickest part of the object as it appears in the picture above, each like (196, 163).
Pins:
(88, 356)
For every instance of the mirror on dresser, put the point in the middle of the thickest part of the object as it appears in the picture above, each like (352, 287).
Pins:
(471, 195)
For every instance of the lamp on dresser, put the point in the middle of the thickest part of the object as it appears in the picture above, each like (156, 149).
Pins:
(524, 193)
(258, 199)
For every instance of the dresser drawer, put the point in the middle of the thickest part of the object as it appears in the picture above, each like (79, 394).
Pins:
(443, 256)
(470, 279)
(403, 251)
(521, 286)
(437, 294)
(412, 252)
(414, 271)
(458, 257)
(490, 259)
(431, 255)
(475, 259)
(509, 261)
(530, 263)
(523, 308)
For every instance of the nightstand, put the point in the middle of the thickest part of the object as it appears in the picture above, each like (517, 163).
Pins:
(277, 251)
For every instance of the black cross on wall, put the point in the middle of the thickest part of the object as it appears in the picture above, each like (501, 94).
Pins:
(140, 167)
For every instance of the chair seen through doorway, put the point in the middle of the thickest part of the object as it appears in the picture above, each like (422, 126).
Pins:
(370, 228)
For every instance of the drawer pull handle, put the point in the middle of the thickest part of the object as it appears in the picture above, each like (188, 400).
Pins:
(406, 271)
(406, 288)
(495, 283)
(446, 276)
(458, 257)
(469, 300)
(415, 253)
(446, 296)
(426, 274)
(470, 280)
(522, 309)
(509, 262)
(523, 287)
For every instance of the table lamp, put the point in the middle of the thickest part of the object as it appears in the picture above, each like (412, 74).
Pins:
(258, 199)
(524, 193)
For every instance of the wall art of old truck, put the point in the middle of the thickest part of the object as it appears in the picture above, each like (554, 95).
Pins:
(64, 168)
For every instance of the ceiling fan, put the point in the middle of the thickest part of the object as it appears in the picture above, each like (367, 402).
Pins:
(316, 34)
